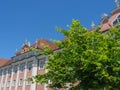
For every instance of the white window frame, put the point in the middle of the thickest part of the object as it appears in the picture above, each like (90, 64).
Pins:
(15, 69)
(10, 71)
(117, 20)
(14, 82)
(0, 73)
(42, 64)
(20, 82)
(8, 83)
(29, 65)
(28, 82)
(3, 84)
(4, 72)
(22, 67)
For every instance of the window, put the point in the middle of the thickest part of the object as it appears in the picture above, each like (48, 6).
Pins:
(15, 69)
(0, 73)
(9, 71)
(22, 67)
(3, 84)
(116, 21)
(14, 82)
(29, 66)
(8, 84)
(41, 64)
(20, 82)
(118, 18)
(4, 73)
(28, 82)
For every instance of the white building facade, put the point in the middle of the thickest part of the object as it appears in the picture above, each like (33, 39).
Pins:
(14, 72)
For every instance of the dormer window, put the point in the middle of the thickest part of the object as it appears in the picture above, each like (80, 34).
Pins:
(118, 18)
(116, 21)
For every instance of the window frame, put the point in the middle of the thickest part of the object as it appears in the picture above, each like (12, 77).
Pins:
(22, 67)
(20, 82)
(40, 68)
(3, 84)
(28, 82)
(15, 69)
(116, 21)
(4, 72)
(8, 83)
(10, 71)
(29, 66)
(0, 73)
(14, 82)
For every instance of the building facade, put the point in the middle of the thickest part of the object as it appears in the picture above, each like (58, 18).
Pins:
(23, 65)
(27, 63)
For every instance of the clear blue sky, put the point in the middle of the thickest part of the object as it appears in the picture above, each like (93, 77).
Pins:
(35, 19)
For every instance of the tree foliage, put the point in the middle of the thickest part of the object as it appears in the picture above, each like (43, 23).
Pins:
(91, 58)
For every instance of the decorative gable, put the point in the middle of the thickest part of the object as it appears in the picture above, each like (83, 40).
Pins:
(25, 48)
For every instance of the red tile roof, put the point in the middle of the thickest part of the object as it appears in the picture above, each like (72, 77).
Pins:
(109, 22)
(4, 62)
(105, 27)
(40, 44)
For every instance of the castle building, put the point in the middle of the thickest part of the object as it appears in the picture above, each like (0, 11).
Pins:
(108, 21)
(23, 65)
(27, 63)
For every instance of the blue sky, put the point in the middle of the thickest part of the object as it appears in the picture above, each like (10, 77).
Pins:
(35, 19)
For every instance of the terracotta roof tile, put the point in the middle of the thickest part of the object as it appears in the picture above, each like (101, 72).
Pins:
(105, 27)
(4, 62)
(8, 62)
(42, 43)
(109, 23)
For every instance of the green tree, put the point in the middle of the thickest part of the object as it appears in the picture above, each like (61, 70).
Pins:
(90, 58)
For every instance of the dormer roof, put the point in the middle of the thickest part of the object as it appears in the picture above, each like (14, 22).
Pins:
(114, 11)
(41, 43)
(109, 22)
